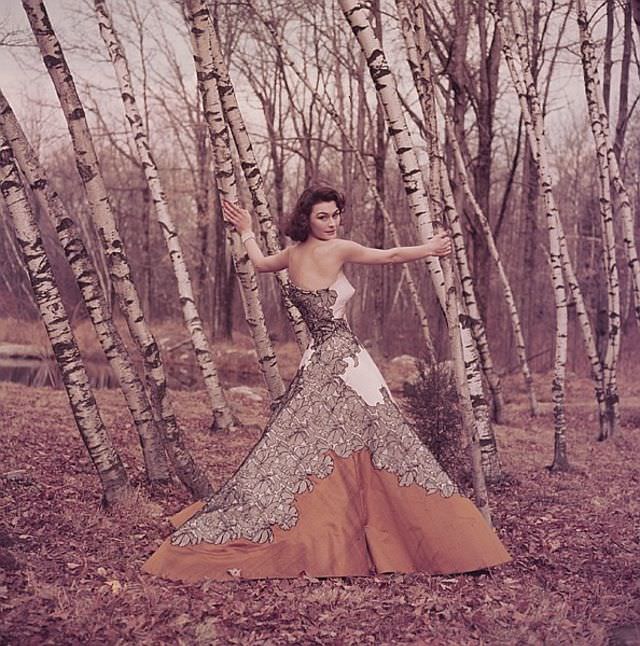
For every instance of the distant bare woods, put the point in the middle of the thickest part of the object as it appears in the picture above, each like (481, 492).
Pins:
(296, 142)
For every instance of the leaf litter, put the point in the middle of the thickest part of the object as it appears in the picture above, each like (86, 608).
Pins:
(70, 572)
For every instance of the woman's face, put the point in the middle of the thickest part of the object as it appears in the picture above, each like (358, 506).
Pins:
(324, 220)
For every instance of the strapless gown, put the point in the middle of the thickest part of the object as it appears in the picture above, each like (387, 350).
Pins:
(338, 485)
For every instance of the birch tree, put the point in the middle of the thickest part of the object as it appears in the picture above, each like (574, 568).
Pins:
(476, 415)
(600, 129)
(198, 16)
(119, 269)
(509, 297)
(222, 417)
(378, 152)
(624, 112)
(85, 411)
(418, 59)
(253, 176)
(99, 311)
(533, 120)
(536, 116)
(597, 108)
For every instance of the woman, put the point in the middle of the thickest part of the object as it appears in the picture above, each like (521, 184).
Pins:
(339, 484)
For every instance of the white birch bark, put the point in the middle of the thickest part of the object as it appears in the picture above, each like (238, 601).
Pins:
(514, 317)
(222, 417)
(253, 176)
(198, 16)
(615, 174)
(628, 228)
(479, 422)
(533, 120)
(85, 411)
(478, 466)
(90, 288)
(418, 59)
(597, 371)
(604, 153)
(119, 269)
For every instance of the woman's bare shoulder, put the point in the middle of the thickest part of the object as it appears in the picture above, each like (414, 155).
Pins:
(291, 249)
(342, 247)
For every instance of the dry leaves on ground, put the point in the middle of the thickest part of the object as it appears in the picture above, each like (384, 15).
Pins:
(70, 573)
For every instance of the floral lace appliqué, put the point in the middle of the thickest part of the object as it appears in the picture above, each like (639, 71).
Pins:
(319, 414)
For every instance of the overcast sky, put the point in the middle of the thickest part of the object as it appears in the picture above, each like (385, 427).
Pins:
(24, 79)
(29, 90)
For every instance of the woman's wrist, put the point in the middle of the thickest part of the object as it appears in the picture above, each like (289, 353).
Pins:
(247, 235)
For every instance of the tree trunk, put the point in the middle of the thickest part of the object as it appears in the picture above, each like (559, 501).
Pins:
(224, 281)
(530, 197)
(514, 317)
(533, 120)
(487, 95)
(600, 129)
(530, 207)
(478, 467)
(100, 313)
(608, 60)
(253, 176)
(119, 269)
(623, 93)
(418, 57)
(198, 16)
(83, 405)
(202, 199)
(418, 204)
(379, 155)
(222, 417)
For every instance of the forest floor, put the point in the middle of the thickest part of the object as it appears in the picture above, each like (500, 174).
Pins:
(70, 572)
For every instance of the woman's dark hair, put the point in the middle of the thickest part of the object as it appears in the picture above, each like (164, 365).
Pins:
(298, 226)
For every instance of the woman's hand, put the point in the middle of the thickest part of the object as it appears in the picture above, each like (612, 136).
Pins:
(440, 245)
(239, 217)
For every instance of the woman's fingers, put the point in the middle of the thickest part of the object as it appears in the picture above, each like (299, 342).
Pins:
(231, 212)
(229, 206)
(444, 244)
(240, 218)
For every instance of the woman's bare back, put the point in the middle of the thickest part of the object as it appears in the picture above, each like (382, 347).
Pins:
(314, 264)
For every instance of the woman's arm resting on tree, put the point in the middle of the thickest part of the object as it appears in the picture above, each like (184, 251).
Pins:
(439, 245)
(241, 220)
(276, 262)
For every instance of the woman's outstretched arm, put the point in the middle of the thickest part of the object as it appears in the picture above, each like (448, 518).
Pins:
(241, 220)
(439, 245)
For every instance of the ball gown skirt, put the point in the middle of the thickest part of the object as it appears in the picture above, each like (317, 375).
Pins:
(338, 485)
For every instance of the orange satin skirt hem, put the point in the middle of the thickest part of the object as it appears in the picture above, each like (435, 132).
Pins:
(356, 522)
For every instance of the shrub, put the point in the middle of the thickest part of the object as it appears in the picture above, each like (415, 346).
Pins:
(433, 404)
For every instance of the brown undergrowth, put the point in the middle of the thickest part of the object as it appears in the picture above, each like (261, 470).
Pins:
(70, 573)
